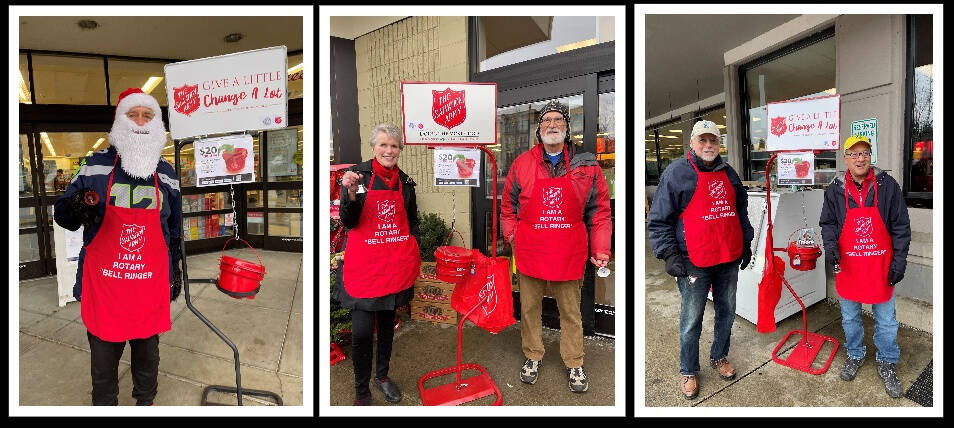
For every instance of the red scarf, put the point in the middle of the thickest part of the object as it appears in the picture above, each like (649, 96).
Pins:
(389, 175)
(852, 186)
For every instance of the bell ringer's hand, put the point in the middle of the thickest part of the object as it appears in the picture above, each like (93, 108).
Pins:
(350, 181)
(894, 277)
(600, 260)
(746, 257)
(176, 283)
(82, 210)
(674, 265)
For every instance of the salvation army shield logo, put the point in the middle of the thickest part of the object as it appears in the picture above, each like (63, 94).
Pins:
(386, 211)
(553, 197)
(488, 290)
(186, 99)
(778, 126)
(863, 226)
(132, 237)
(448, 108)
(717, 189)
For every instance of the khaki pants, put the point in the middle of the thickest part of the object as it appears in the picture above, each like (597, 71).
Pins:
(567, 294)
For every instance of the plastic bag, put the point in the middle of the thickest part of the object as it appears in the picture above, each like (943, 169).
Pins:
(490, 290)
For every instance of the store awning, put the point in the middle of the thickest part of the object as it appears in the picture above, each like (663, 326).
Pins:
(505, 33)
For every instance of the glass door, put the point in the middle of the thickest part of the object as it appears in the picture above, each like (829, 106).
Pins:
(31, 254)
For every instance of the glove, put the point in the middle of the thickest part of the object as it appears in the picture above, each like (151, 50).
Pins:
(675, 266)
(746, 256)
(176, 283)
(84, 205)
(894, 277)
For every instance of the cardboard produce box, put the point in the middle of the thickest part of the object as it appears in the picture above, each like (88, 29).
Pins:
(435, 312)
(433, 290)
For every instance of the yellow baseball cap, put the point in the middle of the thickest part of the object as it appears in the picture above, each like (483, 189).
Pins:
(855, 139)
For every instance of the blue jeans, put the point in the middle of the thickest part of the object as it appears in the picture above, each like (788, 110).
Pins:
(723, 279)
(885, 330)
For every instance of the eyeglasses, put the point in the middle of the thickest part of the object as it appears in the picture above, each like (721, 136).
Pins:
(554, 120)
(855, 155)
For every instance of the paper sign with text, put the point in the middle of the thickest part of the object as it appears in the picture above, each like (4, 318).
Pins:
(457, 167)
(445, 112)
(796, 169)
(227, 93)
(806, 124)
(224, 160)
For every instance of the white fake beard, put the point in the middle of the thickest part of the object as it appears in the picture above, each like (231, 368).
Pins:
(553, 139)
(139, 147)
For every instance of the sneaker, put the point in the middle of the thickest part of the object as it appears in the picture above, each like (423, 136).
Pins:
(577, 379)
(892, 385)
(528, 373)
(726, 372)
(690, 387)
(390, 390)
(850, 369)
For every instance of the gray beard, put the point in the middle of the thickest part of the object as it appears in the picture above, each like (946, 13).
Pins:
(551, 139)
(139, 152)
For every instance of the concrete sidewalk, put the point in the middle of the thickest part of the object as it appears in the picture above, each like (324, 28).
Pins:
(759, 380)
(267, 330)
(421, 347)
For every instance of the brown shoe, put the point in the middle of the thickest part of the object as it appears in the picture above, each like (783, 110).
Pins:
(690, 387)
(724, 368)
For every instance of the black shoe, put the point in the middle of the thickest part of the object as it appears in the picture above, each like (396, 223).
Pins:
(391, 392)
(850, 369)
(892, 385)
(362, 399)
(144, 403)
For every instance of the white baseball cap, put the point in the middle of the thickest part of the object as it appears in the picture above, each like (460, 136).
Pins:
(705, 127)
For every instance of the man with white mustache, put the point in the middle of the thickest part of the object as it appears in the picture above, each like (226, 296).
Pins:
(699, 225)
(127, 199)
(867, 232)
(555, 212)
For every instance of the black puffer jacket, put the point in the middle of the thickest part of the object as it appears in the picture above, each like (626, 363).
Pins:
(891, 206)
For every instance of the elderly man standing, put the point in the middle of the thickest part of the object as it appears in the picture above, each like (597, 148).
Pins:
(127, 198)
(867, 232)
(555, 212)
(698, 224)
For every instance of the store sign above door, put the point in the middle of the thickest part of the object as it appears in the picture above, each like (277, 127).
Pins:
(803, 124)
(236, 92)
(449, 112)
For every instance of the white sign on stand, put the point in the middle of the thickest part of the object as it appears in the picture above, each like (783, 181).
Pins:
(457, 167)
(868, 128)
(227, 93)
(224, 160)
(797, 169)
(449, 112)
(804, 124)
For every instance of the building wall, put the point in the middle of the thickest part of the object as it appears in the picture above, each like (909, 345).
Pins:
(419, 48)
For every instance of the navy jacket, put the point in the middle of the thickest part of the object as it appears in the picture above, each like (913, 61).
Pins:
(891, 206)
(677, 184)
(95, 175)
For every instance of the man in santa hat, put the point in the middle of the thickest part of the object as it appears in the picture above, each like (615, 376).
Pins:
(127, 199)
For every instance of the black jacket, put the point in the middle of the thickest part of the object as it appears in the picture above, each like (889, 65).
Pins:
(891, 206)
(677, 184)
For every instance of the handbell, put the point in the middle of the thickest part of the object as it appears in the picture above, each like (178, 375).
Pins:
(361, 189)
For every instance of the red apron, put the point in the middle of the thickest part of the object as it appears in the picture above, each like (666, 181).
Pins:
(381, 257)
(710, 223)
(550, 240)
(866, 253)
(126, 274)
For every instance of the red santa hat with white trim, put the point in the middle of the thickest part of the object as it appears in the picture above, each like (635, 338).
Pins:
(133, 97)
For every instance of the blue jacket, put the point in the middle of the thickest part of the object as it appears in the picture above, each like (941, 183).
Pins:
(676, 187)
(891, 206)
(95, 175)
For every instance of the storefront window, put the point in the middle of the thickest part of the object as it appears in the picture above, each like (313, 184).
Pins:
(69, 80)
(255, 199)
(256, 223)
(652, 162)
(62, 154)
(149, 76)
(517, 132)
(29, 248)
(671, 145)
(295, 76)
(27, 217)
(206, 202)
(26, 173)
(285, 154)
(606, 139)
(23, 85)
(808, 71)
(205, 227)
(284, 198)
(922, 111)
(284, 224)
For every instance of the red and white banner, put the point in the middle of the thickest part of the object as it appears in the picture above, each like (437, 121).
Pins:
(449, 112)
(804, 124)
(235, 92)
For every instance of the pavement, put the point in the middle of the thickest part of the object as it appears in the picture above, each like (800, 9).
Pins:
(422, 346)
(54, 350)
(759, 381)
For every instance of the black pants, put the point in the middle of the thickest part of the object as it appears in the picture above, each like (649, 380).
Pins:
(104, 368)
(362, 335)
